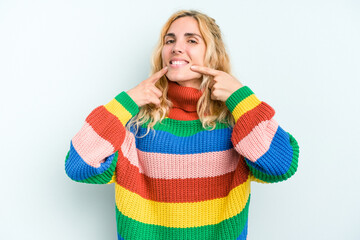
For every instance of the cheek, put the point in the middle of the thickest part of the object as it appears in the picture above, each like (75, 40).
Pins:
(203, 55)
(165, 52)
(164, 55)
(199, 56)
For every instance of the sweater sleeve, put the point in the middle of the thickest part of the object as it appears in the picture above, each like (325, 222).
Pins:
(94, 150)
(270, 152)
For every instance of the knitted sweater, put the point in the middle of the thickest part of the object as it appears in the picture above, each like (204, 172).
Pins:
(183, 182)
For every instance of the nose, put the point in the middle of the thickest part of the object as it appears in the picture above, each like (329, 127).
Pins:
(176, 51)
(177, 48)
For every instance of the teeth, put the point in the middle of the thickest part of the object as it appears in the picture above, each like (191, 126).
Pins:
(178, 62)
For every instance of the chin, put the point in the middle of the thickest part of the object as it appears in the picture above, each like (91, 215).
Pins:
(178, 77)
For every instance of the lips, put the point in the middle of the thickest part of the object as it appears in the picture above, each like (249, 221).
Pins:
(178, 62)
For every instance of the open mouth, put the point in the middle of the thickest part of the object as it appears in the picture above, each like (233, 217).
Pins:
(178, 63)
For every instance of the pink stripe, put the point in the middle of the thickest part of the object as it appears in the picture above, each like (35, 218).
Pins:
(171, 166)
(258, 141)
(128, 148)
(92, 148)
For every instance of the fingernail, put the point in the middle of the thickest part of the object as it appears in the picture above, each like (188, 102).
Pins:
(193, 67)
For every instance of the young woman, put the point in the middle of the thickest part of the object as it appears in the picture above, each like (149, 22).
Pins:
(183, 146)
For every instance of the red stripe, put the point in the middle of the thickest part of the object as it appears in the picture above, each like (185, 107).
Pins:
(179, 114)
(246, 123)
(107, 126)
(179, 190)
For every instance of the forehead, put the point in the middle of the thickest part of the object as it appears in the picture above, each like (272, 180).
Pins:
(184, 25)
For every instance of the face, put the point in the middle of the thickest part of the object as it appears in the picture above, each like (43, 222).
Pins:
(183, 47)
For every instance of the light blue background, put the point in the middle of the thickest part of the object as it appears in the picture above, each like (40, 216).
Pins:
(61, 59)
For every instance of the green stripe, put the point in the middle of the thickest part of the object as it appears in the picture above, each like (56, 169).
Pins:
(237, 96)
(231, 228)
(102, 178)
(124, 99)
(292, 169)
(183, 128)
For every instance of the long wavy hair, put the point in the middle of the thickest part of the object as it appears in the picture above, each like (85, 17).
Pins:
(209, 111)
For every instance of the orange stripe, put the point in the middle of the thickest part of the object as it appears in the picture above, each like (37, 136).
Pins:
(249, 120)
(107, 126)
(179, 190)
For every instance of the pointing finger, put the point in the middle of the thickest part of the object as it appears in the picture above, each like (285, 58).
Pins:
(156, 76)
(204, 70)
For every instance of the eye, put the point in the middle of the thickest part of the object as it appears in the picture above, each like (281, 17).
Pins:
(169, 41)
(192, 41)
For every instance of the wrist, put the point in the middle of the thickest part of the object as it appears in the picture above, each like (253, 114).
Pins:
(238, 96)
(132, 96)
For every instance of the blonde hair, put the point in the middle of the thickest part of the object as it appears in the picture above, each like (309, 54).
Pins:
(209, 111)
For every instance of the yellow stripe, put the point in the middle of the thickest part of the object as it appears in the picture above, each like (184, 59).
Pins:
(245, 105)
(182, 215)
(119, 111)
(112, 179)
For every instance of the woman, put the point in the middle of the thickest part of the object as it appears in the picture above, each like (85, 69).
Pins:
(211, 136)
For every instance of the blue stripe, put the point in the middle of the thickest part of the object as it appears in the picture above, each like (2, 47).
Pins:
(277, 160)
(244, 232)
(119, 237)
(201, 142)
(77, 169)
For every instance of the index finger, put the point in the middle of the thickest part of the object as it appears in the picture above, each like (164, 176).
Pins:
(156, 76)
(204, 70)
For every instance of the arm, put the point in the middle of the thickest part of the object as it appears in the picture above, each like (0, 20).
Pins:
(94, 150)
(270, 152)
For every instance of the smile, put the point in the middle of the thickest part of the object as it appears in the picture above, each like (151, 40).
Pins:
(178, 63)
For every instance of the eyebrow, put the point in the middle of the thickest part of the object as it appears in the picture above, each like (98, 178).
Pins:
(186, 34)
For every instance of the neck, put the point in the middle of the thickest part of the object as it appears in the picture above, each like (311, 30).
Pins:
(191, 84)
(184, 101)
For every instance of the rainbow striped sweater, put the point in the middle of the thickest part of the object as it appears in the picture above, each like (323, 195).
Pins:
(183, 182)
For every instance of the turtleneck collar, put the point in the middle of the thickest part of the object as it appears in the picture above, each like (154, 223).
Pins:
(184, 101)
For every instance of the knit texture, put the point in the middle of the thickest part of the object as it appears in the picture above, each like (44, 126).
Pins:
(182, 181)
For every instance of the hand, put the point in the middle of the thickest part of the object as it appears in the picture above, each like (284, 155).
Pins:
(146, 92)
(222, 85)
